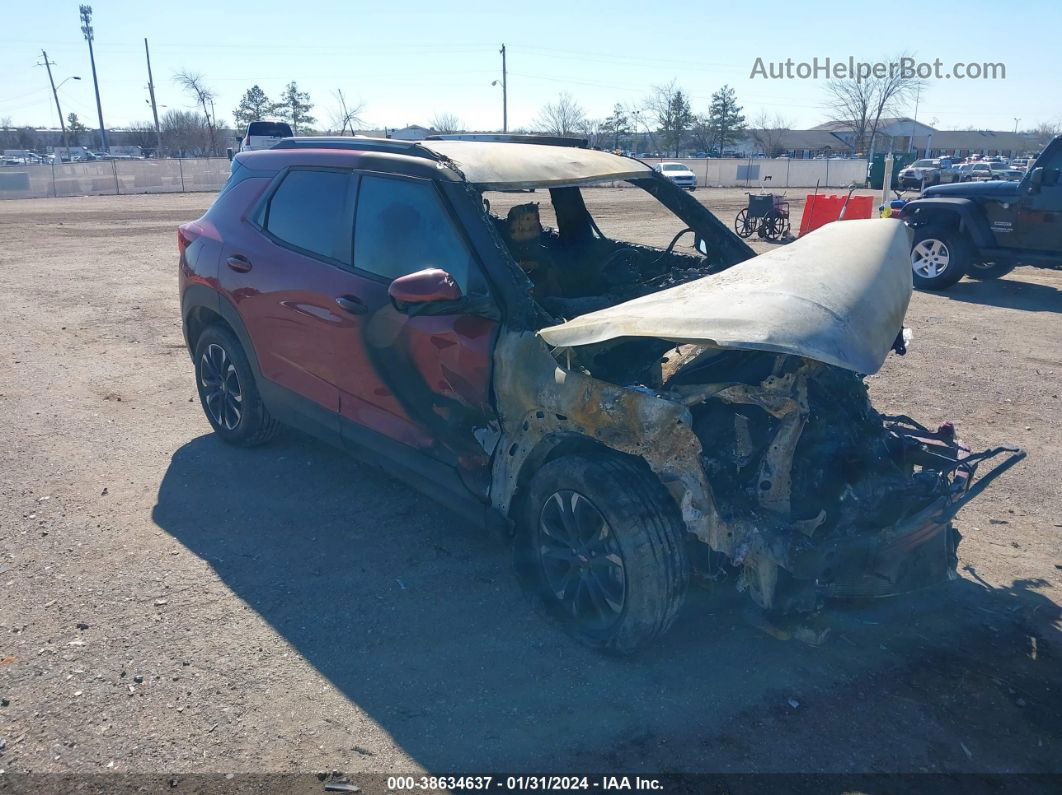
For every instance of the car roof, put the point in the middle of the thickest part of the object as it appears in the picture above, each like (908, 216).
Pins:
(493, 165)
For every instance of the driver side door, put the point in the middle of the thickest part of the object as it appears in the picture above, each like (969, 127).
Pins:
(1039, 210)
(422, 380)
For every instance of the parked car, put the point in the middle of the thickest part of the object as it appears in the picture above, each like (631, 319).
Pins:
(975, 171)
(264, 134)
(919, 173)
(622, 414)
(984, 230)
(1005, 172)
(679, 173)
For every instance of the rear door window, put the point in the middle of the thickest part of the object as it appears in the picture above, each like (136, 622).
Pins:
(403, 226)
(309, 212)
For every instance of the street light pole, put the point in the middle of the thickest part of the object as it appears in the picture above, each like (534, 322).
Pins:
(86, 29)
(505, 94)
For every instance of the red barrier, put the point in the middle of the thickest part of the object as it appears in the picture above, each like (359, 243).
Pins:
(821, 210)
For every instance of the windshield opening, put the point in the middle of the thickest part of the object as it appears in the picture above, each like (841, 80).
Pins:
(590, 247)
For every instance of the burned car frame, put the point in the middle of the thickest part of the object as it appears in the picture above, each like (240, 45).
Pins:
(626, 414)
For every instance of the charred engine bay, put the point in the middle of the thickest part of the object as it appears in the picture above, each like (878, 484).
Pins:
(789, 441)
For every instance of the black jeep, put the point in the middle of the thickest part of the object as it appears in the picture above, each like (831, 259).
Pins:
(984, 229)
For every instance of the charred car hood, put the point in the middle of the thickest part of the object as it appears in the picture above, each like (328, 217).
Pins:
(838, 295)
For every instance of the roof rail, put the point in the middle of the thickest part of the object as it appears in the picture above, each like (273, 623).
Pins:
(513, 138)
(357, 143)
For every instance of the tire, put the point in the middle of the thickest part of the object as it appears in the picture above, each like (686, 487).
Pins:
(603, 545)
(939, 257)
(227, 390)
(742, 227)
(990, 270)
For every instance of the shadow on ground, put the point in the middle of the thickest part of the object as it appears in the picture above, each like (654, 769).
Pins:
(1009, 293)
(418, 621)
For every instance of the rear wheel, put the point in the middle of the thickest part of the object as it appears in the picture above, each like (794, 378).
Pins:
(939, 257)
(603, 545)
(990, 270)
(227, 390)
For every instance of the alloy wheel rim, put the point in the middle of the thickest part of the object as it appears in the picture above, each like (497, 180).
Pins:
(930, 258)
(222, 394)
(581, 561)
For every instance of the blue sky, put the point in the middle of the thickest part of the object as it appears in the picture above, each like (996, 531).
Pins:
(407, 61)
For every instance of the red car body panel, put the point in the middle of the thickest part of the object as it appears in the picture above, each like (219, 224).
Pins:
(423, 381)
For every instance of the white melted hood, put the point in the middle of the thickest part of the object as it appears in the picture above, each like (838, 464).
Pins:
(838, 295)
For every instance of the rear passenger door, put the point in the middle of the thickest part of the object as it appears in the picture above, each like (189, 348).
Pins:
(428, 380)
(284, 271)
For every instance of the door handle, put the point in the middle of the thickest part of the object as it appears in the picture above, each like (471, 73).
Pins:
(352, 304)
(239, 263)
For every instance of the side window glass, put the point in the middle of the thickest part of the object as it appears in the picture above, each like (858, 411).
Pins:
(1053, 169)
(307, 211)
(402, 227)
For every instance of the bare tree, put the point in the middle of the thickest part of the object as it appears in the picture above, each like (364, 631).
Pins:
(563, 117)
(347, 116)
(643, 117)
(446, 123)
(769, 132)
(671, 107)
(184, 132)
(1045, 131)
(859, 104)
(595, 133)
(142, 134)
(194, 83)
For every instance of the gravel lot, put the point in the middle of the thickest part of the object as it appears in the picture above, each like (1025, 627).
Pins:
(171, 604)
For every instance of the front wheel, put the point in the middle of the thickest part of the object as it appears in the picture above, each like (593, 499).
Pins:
(939, 257)
(603, 545)
(990, 270)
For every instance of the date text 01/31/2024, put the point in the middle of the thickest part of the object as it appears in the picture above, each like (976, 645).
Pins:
(545, 783)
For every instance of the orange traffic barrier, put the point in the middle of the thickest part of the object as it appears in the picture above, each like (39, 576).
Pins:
(821, 210)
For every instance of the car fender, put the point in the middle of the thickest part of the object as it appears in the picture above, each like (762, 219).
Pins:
(200, 295)
(968, 212)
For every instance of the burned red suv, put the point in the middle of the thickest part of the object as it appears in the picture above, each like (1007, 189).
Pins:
(464, 314)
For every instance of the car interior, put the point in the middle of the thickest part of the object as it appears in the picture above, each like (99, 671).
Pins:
(575, 267)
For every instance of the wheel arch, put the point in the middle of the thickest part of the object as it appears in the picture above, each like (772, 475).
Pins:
(962, 215)
(202, 307)
(558, 445)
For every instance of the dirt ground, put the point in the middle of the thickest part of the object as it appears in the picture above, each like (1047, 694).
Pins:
(168, 603)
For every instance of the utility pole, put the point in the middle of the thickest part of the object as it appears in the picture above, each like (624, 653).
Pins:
(86, 29)
(1016, 120)
(62, 124)
(505, 94)
(154, 107)
(213, 129)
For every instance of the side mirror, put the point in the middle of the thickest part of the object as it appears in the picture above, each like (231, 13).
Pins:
(429, 286)
(1036, 179)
